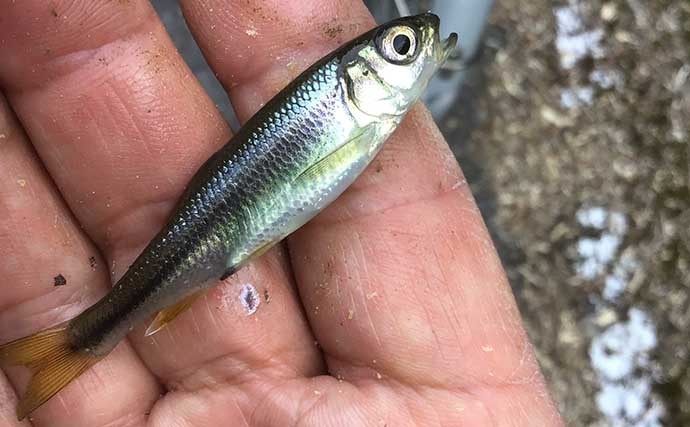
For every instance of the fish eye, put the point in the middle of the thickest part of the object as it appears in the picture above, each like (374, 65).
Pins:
(398, 44)
(401, 44)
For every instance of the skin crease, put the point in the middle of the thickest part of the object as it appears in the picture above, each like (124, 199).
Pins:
(397, 281)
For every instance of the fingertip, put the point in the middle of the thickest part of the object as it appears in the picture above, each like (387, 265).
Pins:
(257, 48)
(54, 38)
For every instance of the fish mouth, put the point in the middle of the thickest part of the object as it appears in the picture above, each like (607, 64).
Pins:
(448, 46)
(445, 47)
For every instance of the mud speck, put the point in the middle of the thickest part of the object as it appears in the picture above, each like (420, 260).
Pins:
(333, 31)
(249, 298)
(54, 12)
(92, 261)
(267, 297)
(59, 280)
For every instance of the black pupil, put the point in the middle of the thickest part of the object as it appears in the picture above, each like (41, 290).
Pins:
(401, 44)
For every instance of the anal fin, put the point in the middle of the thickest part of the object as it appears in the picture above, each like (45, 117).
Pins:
(167, 315)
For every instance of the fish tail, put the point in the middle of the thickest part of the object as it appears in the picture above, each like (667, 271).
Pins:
(53, 361)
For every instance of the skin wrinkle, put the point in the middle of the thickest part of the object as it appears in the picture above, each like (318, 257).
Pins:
(68, 305)
(311, 402)
(127, 420)
(352, 410)
(425, 404)
(337, 277)
(211, 314)
(454, 321)
(65, 64)
(422, 299)
(447, 320)
(396, 385)
(380, 211)
(93, 119)
(145, 142)
(157, 208)
(291, 38)
(509, 329)
(265, 368)
(362, 290)
(226, 387)
(131, 117)
(532, 376)
(315, 403)
(180, 396)
(195, 324)
(356, 281)
(239, 409)
(359, 371)
(387, 298)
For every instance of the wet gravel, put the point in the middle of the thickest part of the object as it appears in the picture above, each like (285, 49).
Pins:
(575, 143)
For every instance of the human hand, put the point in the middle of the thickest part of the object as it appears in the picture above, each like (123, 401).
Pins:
(397, 281)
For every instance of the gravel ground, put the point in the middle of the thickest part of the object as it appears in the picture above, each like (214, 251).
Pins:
(579, 158)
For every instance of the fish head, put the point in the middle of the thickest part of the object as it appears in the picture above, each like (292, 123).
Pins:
(388, 71)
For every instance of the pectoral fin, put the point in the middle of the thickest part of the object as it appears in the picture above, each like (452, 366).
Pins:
(338, 157)
(167, 315)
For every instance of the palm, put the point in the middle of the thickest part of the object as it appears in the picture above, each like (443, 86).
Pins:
(397, 282)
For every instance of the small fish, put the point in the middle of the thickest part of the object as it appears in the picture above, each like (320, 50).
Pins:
(286, 164)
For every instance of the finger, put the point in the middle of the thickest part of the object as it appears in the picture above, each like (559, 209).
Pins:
(406, 281)
(121, 124)
(257, 48)
(40, 241)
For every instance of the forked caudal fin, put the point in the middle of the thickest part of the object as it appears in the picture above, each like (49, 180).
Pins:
(54, 363)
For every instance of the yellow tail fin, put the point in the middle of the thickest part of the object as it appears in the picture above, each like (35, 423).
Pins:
(53, 362)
